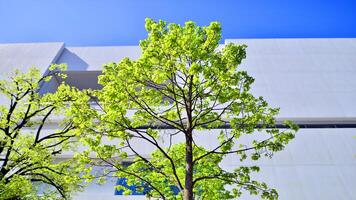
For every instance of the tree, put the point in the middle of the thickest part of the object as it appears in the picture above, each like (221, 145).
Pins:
(185, 83)
(28, 146)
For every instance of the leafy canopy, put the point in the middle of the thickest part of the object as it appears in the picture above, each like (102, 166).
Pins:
(29, 144)
(185, 82)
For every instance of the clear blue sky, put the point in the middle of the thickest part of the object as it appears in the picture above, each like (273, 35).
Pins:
(119, 22)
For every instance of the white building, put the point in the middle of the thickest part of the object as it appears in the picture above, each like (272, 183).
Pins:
(313, 81)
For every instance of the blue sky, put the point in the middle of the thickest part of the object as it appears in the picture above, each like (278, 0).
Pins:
(119, 22)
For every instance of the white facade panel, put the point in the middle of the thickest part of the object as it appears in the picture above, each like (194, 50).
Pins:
(306, 78)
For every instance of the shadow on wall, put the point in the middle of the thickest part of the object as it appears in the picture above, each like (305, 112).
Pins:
(73, 61)
(75, 65)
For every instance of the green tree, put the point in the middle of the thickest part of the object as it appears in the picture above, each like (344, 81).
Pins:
(183, 82)
(28, 143)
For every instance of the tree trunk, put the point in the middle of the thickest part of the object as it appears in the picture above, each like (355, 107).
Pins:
(188, 188)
